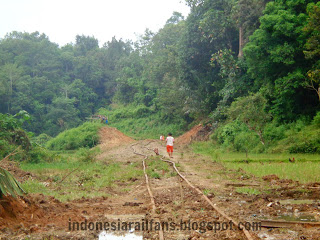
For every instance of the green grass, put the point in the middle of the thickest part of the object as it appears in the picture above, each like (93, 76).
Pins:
(303, 172)
(305, 169)
(89, 180)
(39, 167)
(207, 191)
(158, 169)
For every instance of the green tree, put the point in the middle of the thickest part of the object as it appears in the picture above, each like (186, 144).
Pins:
(61, 115)
(276, 60)
(246, 14)
(175, 18)
(85, 44)
(10, 74)
(251, 111)
(312, 47)
(209, 28)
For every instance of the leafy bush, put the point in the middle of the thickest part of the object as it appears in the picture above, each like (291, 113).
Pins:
(142, 111)
(306, 147)
(226, 134)
(306, 141)
(301, 136)
(316, 120)
(246, 141)
(85, 136)
(42, 139)
(12, 135)
(86, 154)
(274, 132)
(39, 154)
(142, 122)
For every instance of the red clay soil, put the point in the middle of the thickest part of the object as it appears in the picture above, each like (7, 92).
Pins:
(198, 133)
(112, 137)
(32, 212)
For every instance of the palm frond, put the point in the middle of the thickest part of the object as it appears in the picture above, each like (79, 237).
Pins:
(9, 185)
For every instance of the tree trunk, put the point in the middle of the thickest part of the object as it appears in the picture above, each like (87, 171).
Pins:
(11, 90)
(260, 136)
(240, 42)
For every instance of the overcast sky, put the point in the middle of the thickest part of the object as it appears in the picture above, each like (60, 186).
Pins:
(62, 20)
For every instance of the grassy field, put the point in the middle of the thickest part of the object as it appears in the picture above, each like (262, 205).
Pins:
(90, 179)
(305, 169)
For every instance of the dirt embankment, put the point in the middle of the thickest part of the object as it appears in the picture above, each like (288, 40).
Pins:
(197, 133)
(34, 212)
(112, 137)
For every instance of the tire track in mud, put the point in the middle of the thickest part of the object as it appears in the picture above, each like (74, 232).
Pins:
(193, 204)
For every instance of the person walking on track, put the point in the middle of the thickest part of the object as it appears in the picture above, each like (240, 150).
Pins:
(169, 141)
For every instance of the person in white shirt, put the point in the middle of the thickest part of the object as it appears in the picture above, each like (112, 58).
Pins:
(169, 141)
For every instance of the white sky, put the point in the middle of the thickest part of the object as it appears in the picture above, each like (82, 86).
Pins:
(62, 20)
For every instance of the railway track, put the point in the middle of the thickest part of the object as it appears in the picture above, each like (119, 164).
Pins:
(192, 200)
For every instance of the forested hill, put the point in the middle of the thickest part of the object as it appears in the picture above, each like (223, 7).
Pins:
(193, 68)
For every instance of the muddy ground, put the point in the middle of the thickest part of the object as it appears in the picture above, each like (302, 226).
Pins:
(188, 216)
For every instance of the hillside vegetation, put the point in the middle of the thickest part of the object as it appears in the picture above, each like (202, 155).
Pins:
(249, 68)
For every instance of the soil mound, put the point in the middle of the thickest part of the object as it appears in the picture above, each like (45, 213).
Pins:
(112, 137)
(197, 133)
(30, 212)
(269, 178)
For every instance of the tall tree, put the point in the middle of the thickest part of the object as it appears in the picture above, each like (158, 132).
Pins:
(209, 28)
(312, 47)
(276, 61)
(246, 13)
(10, 74)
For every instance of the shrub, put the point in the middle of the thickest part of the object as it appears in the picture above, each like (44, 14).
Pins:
(40, 154)
(306, 141)
(13, 136)
(85, 136)
(316, 120)
(87, 155)
(312, 146)
(227, 133)
(246, 141)
(142, 122)
(142, 111)
(42, 139)
(273, 132)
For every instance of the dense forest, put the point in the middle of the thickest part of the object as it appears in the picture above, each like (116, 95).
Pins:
(249, 68)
